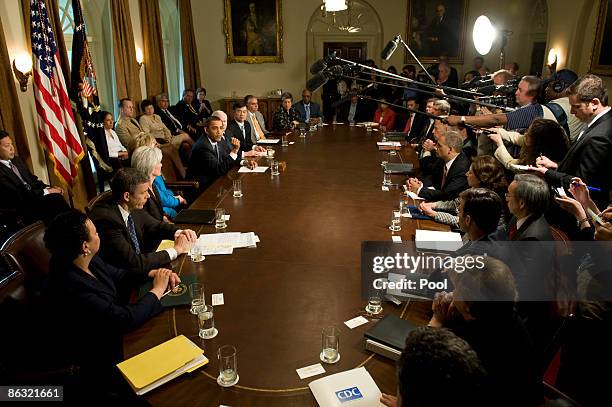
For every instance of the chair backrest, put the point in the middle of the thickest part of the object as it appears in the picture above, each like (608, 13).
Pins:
(28, 249)
(11, 277)
(96, 199)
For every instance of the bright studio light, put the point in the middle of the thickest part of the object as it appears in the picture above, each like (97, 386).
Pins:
(335, 5)
(483, 35)
(552, 56)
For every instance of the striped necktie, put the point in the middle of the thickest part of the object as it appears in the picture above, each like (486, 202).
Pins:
(132, 231)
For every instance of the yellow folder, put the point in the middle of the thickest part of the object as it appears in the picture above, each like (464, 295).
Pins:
(162, 363)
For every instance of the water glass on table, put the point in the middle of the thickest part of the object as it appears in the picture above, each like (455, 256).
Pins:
(395, 221)
(206, 322)
(330, 345)
(195, 253)
(228, 366)
(196, 290)
(374, 306)
(274, 168)
(284, 140)
(220, 218)
(386, 178)
(237, 188)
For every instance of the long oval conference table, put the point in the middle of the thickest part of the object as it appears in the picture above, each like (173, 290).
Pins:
(304, 274)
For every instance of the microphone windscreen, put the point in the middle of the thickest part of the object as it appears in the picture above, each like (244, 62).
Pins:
(316, 82)
(318, 66)
(389, 49)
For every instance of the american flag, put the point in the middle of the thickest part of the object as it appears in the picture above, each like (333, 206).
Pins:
(56, 127)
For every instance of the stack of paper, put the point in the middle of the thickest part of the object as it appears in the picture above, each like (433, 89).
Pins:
(158, 365)
(389, 145)
(269, 141)
(225, 243)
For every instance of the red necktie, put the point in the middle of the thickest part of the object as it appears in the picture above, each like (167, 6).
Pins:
(512, 232)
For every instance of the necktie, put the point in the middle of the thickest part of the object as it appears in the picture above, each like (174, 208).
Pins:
(242, 130)
(444, 177)
(18, 174)
(132, 232)
(217, 152)
(135, 123)
(584, 129)
(408, 124)
(174, 119)
(307, 108)
(512, 232)
(258, 131)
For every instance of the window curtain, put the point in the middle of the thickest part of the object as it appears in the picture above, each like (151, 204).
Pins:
(153, 44)
(126, 68)
(10, 114)
(191, 66)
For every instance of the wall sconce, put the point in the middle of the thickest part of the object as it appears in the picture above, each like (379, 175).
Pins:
(22, 68)
(139, 57)
(553, 57)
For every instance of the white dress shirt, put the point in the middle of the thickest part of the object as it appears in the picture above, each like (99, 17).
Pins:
(113, 143)
(171, 251)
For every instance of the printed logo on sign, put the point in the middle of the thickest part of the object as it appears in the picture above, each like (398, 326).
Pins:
(349, 394)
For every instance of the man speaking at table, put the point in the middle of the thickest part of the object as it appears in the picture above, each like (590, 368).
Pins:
(212, 157)
(130, 235)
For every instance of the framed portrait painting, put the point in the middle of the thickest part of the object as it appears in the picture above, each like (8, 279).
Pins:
(253, 31)
(601, 58)
(435, 28)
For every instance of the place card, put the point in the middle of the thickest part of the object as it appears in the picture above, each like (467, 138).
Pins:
(309, 371)
(355, 322)
(227, 217)
(217, 299)
(384, 188)
(396, 239)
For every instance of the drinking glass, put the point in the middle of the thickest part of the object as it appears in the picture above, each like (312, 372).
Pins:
(313, 127)
(302, 132)
(330, 345)
(368, 128)
(237, 188)
(197, 297)
(228, 366)
(274, 169)
(220, 218)
(374, 306)
(395, 221)
(269, 152)
(386, 178)
(284, 140)
(196, 253)
(206, 322)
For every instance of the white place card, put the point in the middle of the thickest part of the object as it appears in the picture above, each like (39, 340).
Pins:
(355, 322)
(217, 299)
(291, 142)
(384, 188)
(396, 239)
(227, 217)
(309, 371)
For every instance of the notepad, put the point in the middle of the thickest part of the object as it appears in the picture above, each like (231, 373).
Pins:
(162, 363)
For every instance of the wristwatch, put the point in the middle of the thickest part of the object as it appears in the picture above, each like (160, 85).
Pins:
(462, 120)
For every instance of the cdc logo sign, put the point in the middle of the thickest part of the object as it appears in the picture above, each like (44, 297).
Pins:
(349, 394)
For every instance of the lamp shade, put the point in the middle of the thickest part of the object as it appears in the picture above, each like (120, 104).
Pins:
(483, 35)
(335, 5)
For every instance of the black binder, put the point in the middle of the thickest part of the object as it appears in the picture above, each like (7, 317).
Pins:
(391, 331)
(196, 216)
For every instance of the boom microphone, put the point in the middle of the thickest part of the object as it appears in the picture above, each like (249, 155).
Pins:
(390, 48)
(316, 81)
(321, 64)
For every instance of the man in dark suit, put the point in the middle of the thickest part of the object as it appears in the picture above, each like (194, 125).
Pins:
(127, 231)
(354, 110)
(186, 112)
(170, 121)
(240, 129)
(308, 111)
(589, 157)
(416, 122)
(451, 179)
(211, 156)
(23, 197)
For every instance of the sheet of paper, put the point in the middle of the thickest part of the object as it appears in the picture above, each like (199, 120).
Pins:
(389, 143)
(227, 217)
(256, 239)
(217, 299)
(309, 371)
(254, 153)
(355, 322)
(291, 142)
(384, 188)
(217, 243)
(257, 169)
(396, 239)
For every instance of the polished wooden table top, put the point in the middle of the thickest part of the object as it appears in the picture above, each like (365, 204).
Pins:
(304, 275)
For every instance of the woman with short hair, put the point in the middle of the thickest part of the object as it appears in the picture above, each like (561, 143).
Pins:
(285, 117)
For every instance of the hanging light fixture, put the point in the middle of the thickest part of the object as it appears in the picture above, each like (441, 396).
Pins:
(335, 5)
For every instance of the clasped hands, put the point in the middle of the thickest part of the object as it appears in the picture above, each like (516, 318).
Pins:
(414, 185)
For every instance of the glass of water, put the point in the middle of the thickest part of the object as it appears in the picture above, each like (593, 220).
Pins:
(206, 322)
(284, 140)
(220, 218)
(302, 132)
(368, 127)
(269, 152)
(402, 205)
(330, 345)
(374, 306)
(237, 188)
(395, 221)
(197, 297)
(274, 169)
(196, 253)
(386, 178)
(228, 366)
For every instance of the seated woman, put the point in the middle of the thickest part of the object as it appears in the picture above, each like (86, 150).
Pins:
(481, 311)
(485, 172)
(202, 105)
(543, 137)
(285, 117)
(385, 116)
(175, 169)
(153, 124)
(87, 301)
(116, 151)
(162, 202)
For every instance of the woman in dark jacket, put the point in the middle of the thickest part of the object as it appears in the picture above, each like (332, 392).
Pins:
(285, 117)
(84, 298)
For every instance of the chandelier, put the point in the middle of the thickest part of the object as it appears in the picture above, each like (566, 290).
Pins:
(333, 6)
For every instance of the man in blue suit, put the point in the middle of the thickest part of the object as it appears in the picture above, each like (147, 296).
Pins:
(308, 111)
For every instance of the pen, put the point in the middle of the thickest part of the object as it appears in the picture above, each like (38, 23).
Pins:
(587, 187)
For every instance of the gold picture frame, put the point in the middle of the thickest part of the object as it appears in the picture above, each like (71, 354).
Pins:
(428, 39)
(601, 57)
(253, 31)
